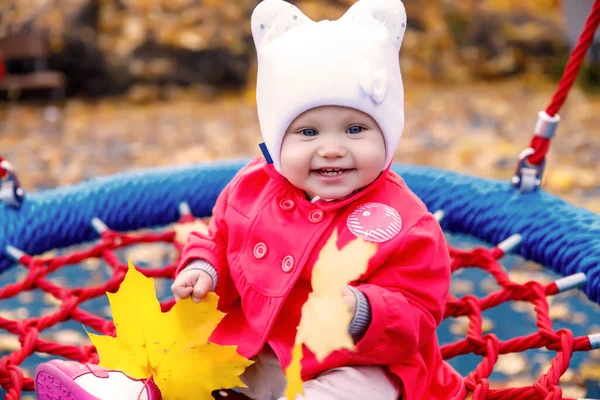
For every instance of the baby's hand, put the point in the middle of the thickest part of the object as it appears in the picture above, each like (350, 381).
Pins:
(350, 300)
(192, 282)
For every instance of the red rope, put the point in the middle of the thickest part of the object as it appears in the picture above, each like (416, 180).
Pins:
(540, 144)
(488, 346)
(2, 171)
(2, 68)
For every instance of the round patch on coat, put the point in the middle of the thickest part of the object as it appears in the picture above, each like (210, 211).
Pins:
(375, 222)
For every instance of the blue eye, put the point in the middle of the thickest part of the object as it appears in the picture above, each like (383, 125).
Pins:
(355, 129)
(309, 132)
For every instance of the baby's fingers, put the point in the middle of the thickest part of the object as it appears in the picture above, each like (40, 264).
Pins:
(181, 292)
(201, 287)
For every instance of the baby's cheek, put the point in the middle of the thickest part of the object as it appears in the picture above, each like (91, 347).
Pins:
(297, 174)
(296, 163)
(372, 162)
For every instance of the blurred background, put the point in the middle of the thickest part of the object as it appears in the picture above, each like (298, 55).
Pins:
(95, 87)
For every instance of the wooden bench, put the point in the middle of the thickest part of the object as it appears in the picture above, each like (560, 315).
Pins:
(31, 48)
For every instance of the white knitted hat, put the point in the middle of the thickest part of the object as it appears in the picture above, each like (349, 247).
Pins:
(351, 62)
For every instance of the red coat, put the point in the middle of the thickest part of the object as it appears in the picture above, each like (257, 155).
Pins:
(264, 239)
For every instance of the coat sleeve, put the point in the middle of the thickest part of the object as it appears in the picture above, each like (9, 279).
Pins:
(407, 295)
(212, 248)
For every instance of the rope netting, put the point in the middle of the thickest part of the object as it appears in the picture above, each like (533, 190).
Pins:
(487, 346)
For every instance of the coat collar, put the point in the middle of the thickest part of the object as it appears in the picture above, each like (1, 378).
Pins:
(325, 205)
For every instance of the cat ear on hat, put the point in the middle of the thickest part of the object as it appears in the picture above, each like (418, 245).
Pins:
(390, 13)
(272, 18)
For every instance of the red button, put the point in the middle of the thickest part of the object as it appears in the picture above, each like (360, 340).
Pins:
(260, 250)
(316, 216)
(287, 264)
(287, 204)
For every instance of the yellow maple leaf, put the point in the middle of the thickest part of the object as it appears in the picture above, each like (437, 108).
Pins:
(325, 318)
(171, 347)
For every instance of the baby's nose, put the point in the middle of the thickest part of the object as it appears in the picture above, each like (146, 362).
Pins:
(332, 149)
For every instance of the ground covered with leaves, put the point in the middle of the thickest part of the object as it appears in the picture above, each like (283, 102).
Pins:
(106, 46)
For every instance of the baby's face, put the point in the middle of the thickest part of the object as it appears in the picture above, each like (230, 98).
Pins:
(331, 151)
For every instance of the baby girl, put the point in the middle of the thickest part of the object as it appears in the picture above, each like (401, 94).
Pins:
(330, 104)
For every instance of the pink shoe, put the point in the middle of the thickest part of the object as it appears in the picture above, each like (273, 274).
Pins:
(69, 380)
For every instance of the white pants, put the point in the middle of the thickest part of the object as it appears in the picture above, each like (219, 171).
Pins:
(266, 381)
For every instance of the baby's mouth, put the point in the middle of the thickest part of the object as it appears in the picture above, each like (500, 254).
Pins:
(331, 171)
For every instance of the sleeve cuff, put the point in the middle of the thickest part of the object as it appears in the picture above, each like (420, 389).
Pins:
(362, 316)
(203, 265)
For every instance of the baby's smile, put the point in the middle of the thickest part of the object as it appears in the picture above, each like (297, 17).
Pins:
(332, 172)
